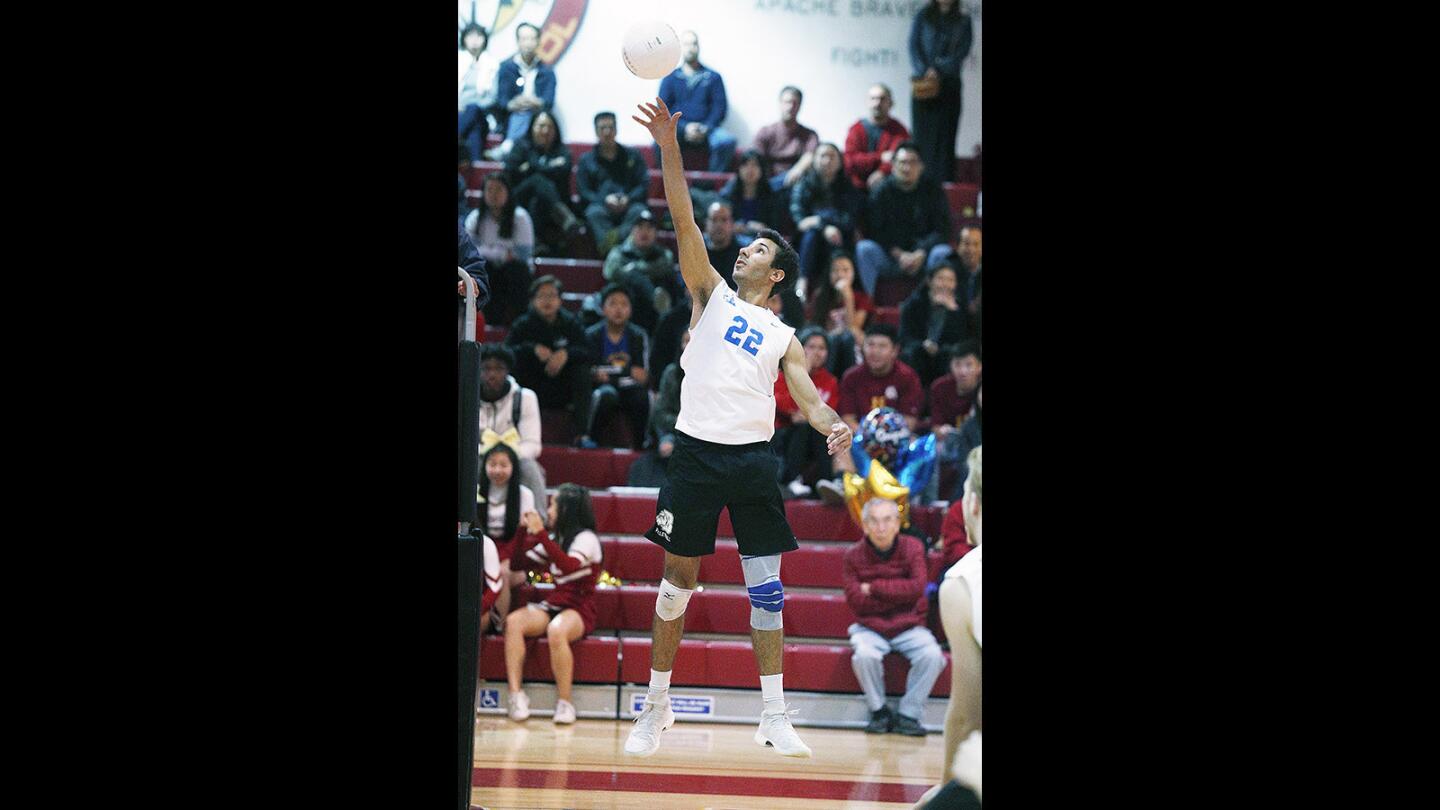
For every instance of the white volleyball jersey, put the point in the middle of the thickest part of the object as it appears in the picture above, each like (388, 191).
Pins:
(731, 364)
(967, 568)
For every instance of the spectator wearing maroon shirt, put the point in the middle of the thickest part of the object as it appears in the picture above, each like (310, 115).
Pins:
(568, 612)
(952, 397)
(885, 587)
(882, 381)
(870, 144)
(787, 144)
(953, 536)
(802, 451)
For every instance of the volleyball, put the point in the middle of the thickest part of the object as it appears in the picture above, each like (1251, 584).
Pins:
(651, 49)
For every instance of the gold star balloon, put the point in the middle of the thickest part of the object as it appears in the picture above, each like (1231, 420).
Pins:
(877, 483)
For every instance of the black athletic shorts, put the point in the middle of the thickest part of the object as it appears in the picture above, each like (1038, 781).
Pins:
(702, 478)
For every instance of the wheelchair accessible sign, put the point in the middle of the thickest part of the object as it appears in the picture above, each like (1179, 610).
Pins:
(679, 704)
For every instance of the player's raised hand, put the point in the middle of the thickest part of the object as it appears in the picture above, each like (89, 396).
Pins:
(659, 120)
(839, 439)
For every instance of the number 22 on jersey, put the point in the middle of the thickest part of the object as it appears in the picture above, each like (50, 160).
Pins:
(752, 341)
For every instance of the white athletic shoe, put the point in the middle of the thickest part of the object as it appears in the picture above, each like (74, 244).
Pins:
(519, 707)
(645, 735)
(775, 730)
(564, 712)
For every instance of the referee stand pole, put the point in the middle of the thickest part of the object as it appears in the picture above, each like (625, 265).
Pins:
(469, 550)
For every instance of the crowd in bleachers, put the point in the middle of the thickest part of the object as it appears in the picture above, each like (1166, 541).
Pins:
(587, 318)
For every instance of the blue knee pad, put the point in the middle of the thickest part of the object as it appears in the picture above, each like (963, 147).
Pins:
(767, 595)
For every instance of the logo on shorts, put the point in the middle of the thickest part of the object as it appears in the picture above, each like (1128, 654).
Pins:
(665, 521)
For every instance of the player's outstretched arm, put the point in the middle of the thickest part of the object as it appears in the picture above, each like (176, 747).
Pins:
(962, 716)
(695, 267)
(820, 416)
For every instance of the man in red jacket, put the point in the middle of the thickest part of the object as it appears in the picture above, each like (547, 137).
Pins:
(885, 586)
(870, 143)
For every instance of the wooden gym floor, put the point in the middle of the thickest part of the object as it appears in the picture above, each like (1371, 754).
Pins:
(537, 764)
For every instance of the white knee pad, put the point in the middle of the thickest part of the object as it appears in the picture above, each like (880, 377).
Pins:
(670, 604)
(767, 595)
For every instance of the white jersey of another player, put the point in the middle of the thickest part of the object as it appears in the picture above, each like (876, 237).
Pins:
(731, 364)
(967, 569)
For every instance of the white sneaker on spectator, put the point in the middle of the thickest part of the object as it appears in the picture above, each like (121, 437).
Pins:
(564, 712)
(775, 730)
(832, 492)
(500, 152)
(798, 489)
(645, 735)
(519, 707)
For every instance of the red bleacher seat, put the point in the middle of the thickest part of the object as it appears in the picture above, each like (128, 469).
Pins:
(495, 334)
(577, 275)
(595, 469)
(818, 615)
(620, 513)
(578, 149)
(890, 315)
(808, 667)
(962, 198)
(596, 659)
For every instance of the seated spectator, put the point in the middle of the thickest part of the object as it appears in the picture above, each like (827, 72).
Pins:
(955, 540)
(952, 397)
(756, 206)
(966, 440)
(969, 254)
(612, 180)
(666, 337)
(804, 457)
(787, 144)
(620, 375)
(538, 170)
(826, 209)
(721, 243)
(552, 357)
(478, 69)
(909, 223)
(843, 312)
(505, 405)
(930, 318)
(871, 142)
(699, 92)
(505, 235)
(885, 578)
(649, 470)
(567, 614)
(499, 503)
(524, 86)
(882, 381)
(647, 269)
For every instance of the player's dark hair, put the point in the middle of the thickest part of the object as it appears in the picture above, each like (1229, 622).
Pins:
(542, 281)
(512, 494)
(785, 259)
(573, 513)
(883, 329)
(497, 351)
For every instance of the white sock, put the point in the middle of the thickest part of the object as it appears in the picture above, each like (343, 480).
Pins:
(773, 689)
(659, 686)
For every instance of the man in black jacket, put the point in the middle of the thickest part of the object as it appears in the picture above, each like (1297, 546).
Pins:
(909, 223)
(612, 180)
(552, 357)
